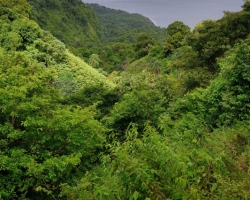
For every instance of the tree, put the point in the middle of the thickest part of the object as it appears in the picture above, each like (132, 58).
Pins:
(246, 5)
(176, 27)
(187, 67)
(142, 101)
(155, 66)
(19, 7)
(42, 142)
(16, 31)
(94, 60)
(227, 98)
(143, 44)
(176, 32)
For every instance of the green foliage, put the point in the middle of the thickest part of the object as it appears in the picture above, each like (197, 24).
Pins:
(16, 33)
(209, 41)
(144, 98)
(228, 97)
(185, 65)
(55, 109)
(116, 56)
(52, 53)
(226, 100)
(176, 33)
(131, 172)
(18, 7)
(84, 75)
(42, 142)
(193, 59)
(22, 34)
(85, 34)
(143, 44)
(160, 167)
(94, 60)
(246, 6)
(70, 21)
(98, 95)
(238, 22)
(47, 50)
(176, 27)
(122, 29)
(138, 107)
(233, 150)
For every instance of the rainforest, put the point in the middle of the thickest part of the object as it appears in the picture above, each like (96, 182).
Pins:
(100, 104)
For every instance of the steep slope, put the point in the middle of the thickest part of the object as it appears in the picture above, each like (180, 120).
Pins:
(19, 33)
(71, 21)
(106, 32)
(43, 142)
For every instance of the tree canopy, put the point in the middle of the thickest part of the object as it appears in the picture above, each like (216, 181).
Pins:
(144, 119)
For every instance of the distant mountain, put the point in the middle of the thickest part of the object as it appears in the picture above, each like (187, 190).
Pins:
(121, 26)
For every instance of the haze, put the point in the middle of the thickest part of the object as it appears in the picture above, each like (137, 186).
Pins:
(164, 12)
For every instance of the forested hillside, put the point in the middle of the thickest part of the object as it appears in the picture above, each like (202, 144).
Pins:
(107, 34)
(121, 26)
(140, 119)
(65, 18)
(42, 141)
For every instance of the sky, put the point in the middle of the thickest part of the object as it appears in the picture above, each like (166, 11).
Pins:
(164, 12)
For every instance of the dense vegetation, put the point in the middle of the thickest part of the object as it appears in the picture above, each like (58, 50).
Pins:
(107, 33)
(157, 120)
(70, 21)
